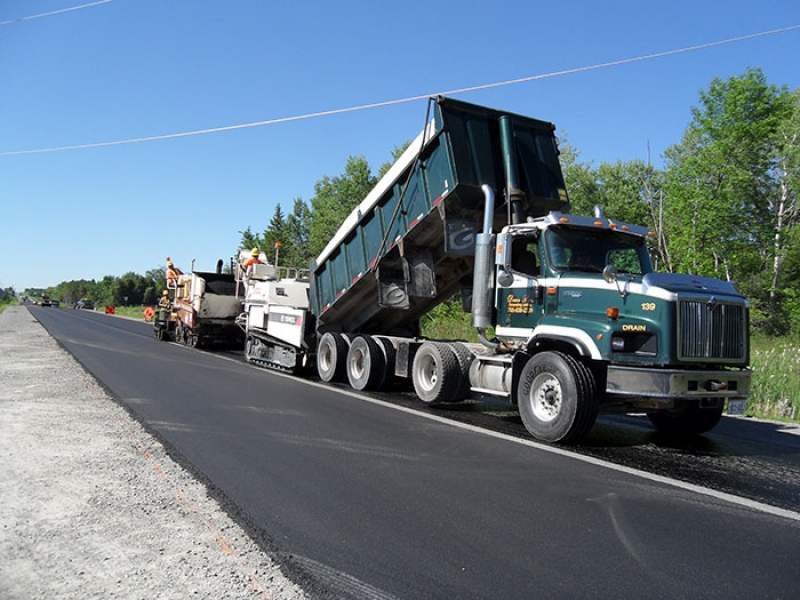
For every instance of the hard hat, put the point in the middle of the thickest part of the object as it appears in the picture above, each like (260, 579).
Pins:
(169, 264)
(254, 252)
(165, 293)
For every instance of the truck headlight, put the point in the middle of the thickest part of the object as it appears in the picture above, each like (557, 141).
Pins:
(618, 343)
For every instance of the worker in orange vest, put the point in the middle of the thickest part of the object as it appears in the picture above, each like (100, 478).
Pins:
(253, 260)
(172, 274)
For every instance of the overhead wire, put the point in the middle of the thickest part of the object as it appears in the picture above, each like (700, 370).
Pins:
(453, 92)
(55, 12)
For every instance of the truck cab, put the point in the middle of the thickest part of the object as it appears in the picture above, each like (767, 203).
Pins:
(583, 290)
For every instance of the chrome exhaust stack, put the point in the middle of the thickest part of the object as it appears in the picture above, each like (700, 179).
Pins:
(483, 275)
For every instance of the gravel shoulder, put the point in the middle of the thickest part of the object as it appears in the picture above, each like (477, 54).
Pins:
(91, 505)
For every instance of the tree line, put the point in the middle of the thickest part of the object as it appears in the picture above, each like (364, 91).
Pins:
(131, 289)
(7, 295)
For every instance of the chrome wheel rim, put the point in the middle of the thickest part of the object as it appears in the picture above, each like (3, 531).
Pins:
(546, 397)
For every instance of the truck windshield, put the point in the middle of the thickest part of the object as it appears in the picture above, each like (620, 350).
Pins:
(589, 251)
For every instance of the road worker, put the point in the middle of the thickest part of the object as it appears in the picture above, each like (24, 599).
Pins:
(252, 261)
(164, 301)
(172, 274)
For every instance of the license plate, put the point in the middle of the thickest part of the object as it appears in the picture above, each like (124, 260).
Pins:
(736, 407)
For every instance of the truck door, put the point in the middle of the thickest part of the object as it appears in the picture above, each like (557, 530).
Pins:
(519, 304)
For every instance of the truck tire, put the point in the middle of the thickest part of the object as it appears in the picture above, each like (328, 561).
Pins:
(390, 357)
(556, 397)
(366, 364)
(331, 357)
(465, 359)
(686, 420)
(436, 373)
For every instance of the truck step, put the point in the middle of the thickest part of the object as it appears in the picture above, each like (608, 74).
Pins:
(489, 392)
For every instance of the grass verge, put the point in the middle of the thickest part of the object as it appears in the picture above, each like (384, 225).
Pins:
(776, 378)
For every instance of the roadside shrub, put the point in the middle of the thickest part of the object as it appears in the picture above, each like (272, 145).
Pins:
(776, 378)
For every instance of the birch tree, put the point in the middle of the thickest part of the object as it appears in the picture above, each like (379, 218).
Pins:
(721, 178)
(784, 202)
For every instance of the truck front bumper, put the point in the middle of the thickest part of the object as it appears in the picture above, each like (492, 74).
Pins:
(673, 384)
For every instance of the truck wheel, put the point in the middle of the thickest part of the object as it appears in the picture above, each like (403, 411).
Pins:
(556, 397)
(366, 364)
(688, 419)
(331, 357)
(390, 357)
(436, 374)
(465, 360)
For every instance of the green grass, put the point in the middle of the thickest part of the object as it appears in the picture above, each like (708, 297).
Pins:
(437, 327)
(776, 378)
(6, 302)
(129, 311)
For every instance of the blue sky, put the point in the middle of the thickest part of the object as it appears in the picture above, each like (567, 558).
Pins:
(128, 69)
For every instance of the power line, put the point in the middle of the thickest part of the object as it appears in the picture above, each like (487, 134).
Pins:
(55, 12)
(454, 92)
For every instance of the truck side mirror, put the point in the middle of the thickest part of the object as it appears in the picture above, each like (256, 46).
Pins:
(610, 273)
(504, 278)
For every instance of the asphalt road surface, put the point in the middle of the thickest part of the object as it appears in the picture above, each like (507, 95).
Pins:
(376, 500)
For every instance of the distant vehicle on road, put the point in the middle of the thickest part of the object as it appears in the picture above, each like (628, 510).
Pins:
(84, 303)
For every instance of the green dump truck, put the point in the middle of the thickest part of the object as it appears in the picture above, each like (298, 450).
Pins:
(572, 318)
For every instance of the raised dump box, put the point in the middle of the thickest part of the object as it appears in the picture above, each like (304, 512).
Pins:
(410, 244)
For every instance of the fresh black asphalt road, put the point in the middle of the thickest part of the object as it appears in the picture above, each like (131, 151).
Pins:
(375, 502)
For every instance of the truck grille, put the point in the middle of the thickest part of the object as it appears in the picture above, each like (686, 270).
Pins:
(712, 330)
